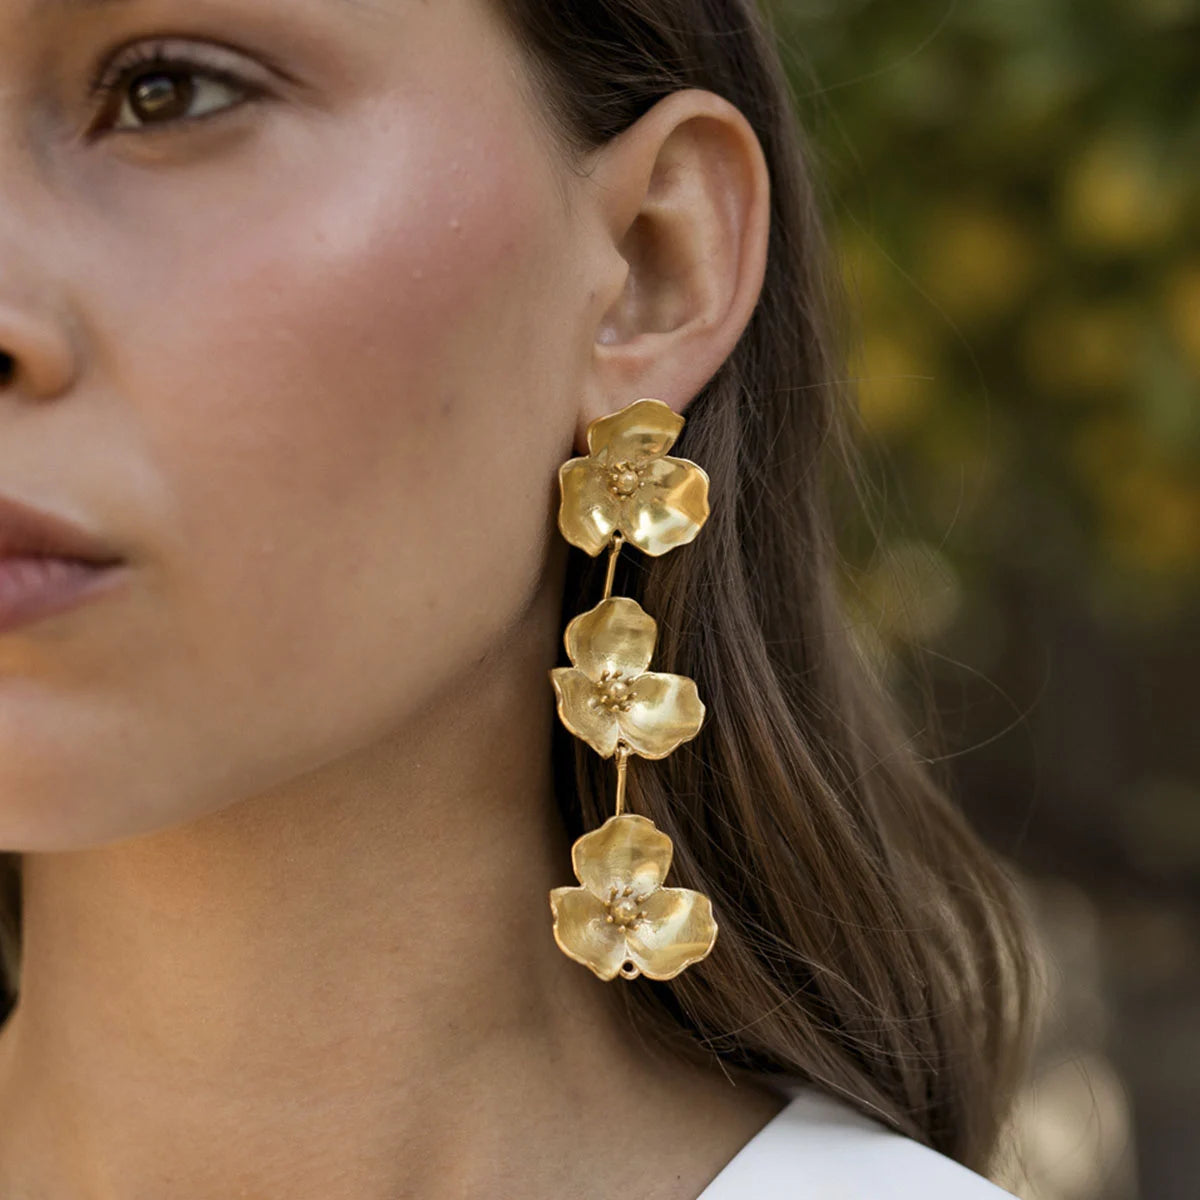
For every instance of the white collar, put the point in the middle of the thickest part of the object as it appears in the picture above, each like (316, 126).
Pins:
(819, 1148)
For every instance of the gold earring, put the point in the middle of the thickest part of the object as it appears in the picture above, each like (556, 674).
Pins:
(622, 920)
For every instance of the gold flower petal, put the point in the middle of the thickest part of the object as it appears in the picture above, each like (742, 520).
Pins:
(626, 851)
(580, 711)
(666, 710)
(639, 431)
(669, 508)
(617, 637)
(588, 512)
(678, 930)
(582, 932)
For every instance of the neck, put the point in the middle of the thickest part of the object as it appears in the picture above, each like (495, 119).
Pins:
(347, 980)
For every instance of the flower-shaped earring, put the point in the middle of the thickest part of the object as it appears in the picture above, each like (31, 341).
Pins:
(622, 920)
(608, 696)
(629, 483)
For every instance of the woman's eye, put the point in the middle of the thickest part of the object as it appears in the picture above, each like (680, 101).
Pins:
(166, 93)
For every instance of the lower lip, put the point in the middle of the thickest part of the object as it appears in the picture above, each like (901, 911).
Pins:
(33, 588)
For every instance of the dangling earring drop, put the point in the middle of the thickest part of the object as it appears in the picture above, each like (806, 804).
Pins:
(627, 489)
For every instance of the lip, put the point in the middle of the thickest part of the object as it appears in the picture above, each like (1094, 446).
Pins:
(28, 532)
(35, 587)
(48, 564)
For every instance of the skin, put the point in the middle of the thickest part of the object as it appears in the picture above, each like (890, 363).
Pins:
(310, 363)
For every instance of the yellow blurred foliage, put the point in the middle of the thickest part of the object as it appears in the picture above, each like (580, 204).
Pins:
(978, 261)
(1149, 506)
(895, 389)
(964, 461)
(1182, 302)
(1113, 198)
(869, 275)
(1153, 520)
(1069, 348)
(911, 591)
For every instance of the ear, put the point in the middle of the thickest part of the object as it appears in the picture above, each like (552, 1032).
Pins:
(683, 198)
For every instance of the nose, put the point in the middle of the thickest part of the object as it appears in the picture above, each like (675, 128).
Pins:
(37, 346)
(37, 358)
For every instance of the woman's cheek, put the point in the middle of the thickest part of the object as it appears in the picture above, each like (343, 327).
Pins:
(336, 371)
(336, 401)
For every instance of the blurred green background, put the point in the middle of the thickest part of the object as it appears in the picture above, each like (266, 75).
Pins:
(1015, 190)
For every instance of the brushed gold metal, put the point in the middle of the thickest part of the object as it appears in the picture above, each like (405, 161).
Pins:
(623, 753)
(608, 693)
(618, 540)
(628, 483)
(621, 920)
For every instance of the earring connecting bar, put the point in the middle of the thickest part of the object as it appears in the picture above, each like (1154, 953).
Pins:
(618, 540)
(622, 754)
(623, 748)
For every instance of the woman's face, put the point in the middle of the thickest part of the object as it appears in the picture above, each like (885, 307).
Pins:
(305, 359)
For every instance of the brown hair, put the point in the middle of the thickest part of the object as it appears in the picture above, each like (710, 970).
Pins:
(868, 942)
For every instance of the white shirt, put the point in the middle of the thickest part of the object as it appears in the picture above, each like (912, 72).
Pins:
(819, 1148)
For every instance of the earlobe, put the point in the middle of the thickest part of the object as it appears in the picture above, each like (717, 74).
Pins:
(684, 198)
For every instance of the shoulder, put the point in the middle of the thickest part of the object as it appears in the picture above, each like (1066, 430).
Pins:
(817, 1146)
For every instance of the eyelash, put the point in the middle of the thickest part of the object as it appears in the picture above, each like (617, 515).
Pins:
(110, 82)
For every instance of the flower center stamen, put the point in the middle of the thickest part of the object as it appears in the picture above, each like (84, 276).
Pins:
(624, 908)
(615, 692)
(624, 479)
